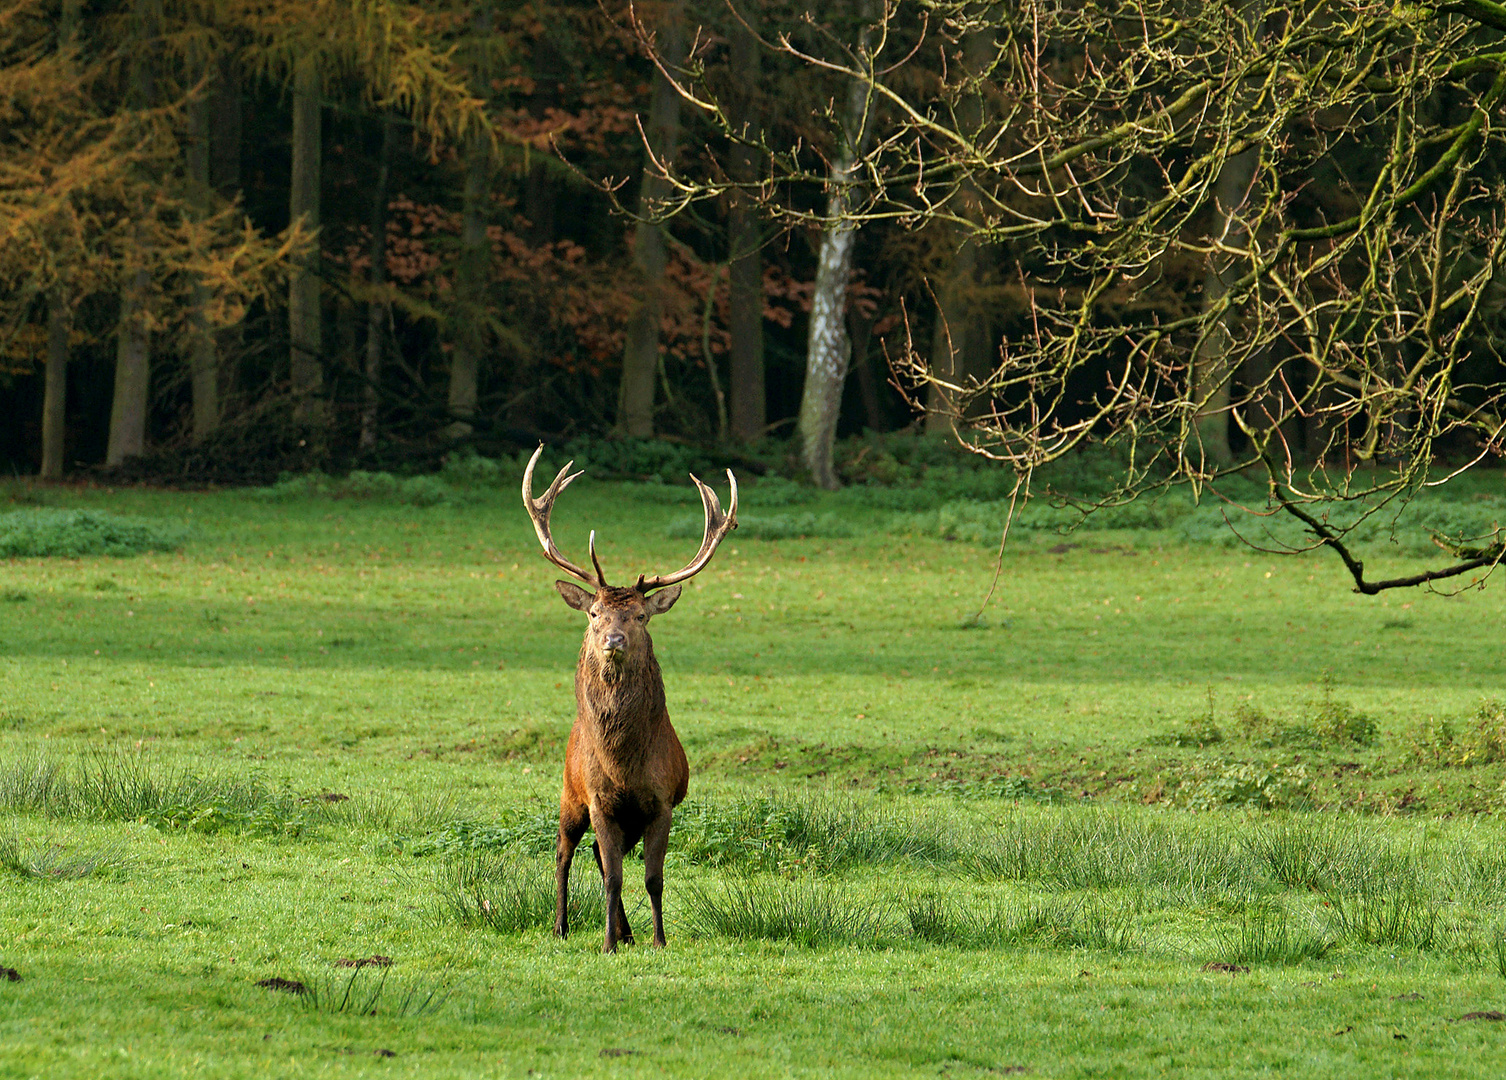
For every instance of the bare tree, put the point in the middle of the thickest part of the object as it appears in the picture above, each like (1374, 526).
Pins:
(1219, 224)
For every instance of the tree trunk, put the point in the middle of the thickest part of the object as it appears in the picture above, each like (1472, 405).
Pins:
(1212, 368)
(225, 130)
(951, 339)
(745, 237)
(640, 356)
(204, 363)
(128, 407)
(957, 341)
(132, 373)
(55, 392)
(860, 331)
(828, 351)
(305, 329)
(469, 316)
(376, 312)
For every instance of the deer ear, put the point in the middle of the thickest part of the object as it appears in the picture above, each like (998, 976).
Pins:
(574, 595)
(663, 600)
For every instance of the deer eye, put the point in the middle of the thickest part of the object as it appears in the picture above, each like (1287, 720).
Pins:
(643, 618)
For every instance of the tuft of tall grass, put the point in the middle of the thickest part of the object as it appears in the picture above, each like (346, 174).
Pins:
(52, 862)
(1106, 849)
(1392, 915)
(1081, 923)
(1327, 854)
(788, 832)
(1266, 935)
(805, 912)
(362, 993)
(511, 895)
(129, 787)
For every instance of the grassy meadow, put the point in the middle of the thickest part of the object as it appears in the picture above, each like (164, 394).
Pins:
(278, 801)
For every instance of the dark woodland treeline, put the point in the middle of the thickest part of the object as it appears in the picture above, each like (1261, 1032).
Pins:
(244, 236)
(241, 236)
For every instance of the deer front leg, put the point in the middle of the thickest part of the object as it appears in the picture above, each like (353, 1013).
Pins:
(609, 851)
(625, 932)
(655, 844)
(573, 822)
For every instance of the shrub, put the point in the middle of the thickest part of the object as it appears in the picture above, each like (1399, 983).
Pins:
(1438, 742)
(1268, 787)
(43, 532)
(769, 527)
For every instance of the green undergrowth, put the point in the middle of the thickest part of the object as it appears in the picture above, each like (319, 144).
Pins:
(67, 533)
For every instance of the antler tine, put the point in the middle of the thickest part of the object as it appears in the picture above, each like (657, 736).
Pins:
(539, 509)
(718, 525)
(600, 577)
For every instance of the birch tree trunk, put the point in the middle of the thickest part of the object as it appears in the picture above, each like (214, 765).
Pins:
(376, 312)
(640, 355)
(744, 237)
(1212, 369)
(55, 390)
(829, 350)
(305, 329)
(470, 287)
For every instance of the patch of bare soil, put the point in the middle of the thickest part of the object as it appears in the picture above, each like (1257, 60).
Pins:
(10, 974)
(1489, 1014)
(286, 986)
(616, 1051)
(369, 961)
(1232, 969)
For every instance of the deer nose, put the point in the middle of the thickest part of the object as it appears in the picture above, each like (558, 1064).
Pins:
(615, 641)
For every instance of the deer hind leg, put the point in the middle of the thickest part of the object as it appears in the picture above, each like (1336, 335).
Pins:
(624, 931)
(609, 849)
(573, 823)
(655, 844)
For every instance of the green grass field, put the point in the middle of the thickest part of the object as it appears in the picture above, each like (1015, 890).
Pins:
(1170, 808)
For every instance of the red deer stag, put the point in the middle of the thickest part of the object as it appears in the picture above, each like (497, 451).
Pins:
(625, 770)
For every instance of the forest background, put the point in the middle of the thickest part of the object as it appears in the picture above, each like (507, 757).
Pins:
(248, 238)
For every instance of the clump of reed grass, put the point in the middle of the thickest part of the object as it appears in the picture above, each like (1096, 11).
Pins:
(1083, 923)
(774, 833)
(130, 787)
(1266, 934)
(1393, 915)
(371, 992)
(1108, 849)
(53, 862)
(806, 912)
(509, 895)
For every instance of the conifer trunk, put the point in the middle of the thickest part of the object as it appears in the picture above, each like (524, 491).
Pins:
(640, 356)
(204, 366)
(129, 405)
(128, 408)
(305, 329)
(469, 316)
(55, 390)
(376, 311)
(744, 237)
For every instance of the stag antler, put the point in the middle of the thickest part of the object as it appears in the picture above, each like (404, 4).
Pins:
(718, 525)
(538, 510)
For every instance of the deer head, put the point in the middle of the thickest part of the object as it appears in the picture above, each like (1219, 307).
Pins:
(617, 635)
